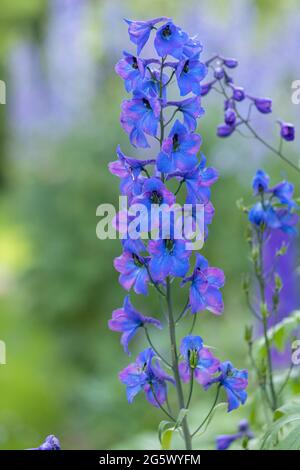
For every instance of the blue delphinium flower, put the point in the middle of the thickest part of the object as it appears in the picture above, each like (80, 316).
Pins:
(234, 382)
(191, 110)
(132, 267)
(197, 360)
(179, 150)
(146, 374)
(140, 115)
(51, 443)
(225, 440)
(128, 320)
(205, 287)
(170, 40)
(131, 69)
(168, 258)
(139, 31)
(277, 210)
(189, 74)
(128, 170)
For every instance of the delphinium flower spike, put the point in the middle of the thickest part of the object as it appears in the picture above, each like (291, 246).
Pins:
(156, 231)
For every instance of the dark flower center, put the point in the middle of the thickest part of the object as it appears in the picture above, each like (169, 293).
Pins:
(186, 67)
(169, 245)
(146, 103)
(260, 188)
(156, 198)
(175, 142)
(134, 63)
(137, 260)
(166, 32)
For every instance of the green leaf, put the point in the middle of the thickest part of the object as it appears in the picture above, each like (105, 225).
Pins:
(285, 417)
(165, 433)
(291, 441)
(278, 335)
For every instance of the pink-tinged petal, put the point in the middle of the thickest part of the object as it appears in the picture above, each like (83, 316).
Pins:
(185, 372)
(214, 300)
(215, 277)
(202, 376)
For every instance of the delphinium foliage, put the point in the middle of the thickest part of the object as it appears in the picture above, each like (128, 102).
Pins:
(167, 127)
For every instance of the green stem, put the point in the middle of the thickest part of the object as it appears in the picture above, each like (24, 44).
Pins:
(161, 407)
(180, 397)
(209, 413)
(261, 283)
(191, 390)
(154, 348)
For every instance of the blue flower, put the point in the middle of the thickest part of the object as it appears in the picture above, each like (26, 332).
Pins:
(189, 73)
(234, 382)
(197, 360)
(191, 110)
(133, 267)
(139, 31)
(179, 150)
(51, 443)
(169, 258)
(272, 218)
(140, 115)
(260, 182)
(205, 287)
(128, 170)
(225, 440)
(131, 69)
(146, 374)
(127, 320)
(170, 40)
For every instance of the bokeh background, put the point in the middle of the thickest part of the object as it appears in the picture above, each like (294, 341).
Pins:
(58, 131)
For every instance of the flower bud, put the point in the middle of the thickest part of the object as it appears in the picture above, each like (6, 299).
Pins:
(230, 63)
(263, 105)
(224, 130)
(230, 117)
(238, 93)
(287, 131)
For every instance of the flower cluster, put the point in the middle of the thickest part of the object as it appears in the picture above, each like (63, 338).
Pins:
(233, 95)
(156, 263)
(276, 207)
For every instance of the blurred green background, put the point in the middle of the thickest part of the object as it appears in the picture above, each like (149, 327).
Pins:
(58, 131)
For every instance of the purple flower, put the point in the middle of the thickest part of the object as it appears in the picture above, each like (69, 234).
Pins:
(178, 150)
(230, 63)
(206, 87)
(169, 258)
(263, 105)
(146, 374)
(197, 360)
(127, 320)
(219, 73)
(205, 287)
(128, 170)
(287, 131)
(131, 69)
(198, 182)
(238, 93)
(133, 267)
(51, 443)
(230, 117)
(170, 40)
(260, 182)
(139, 31)
(189, 73)
(191, 110)
(224, 130)
(140, 115)
(224, 441)
(234, 382)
